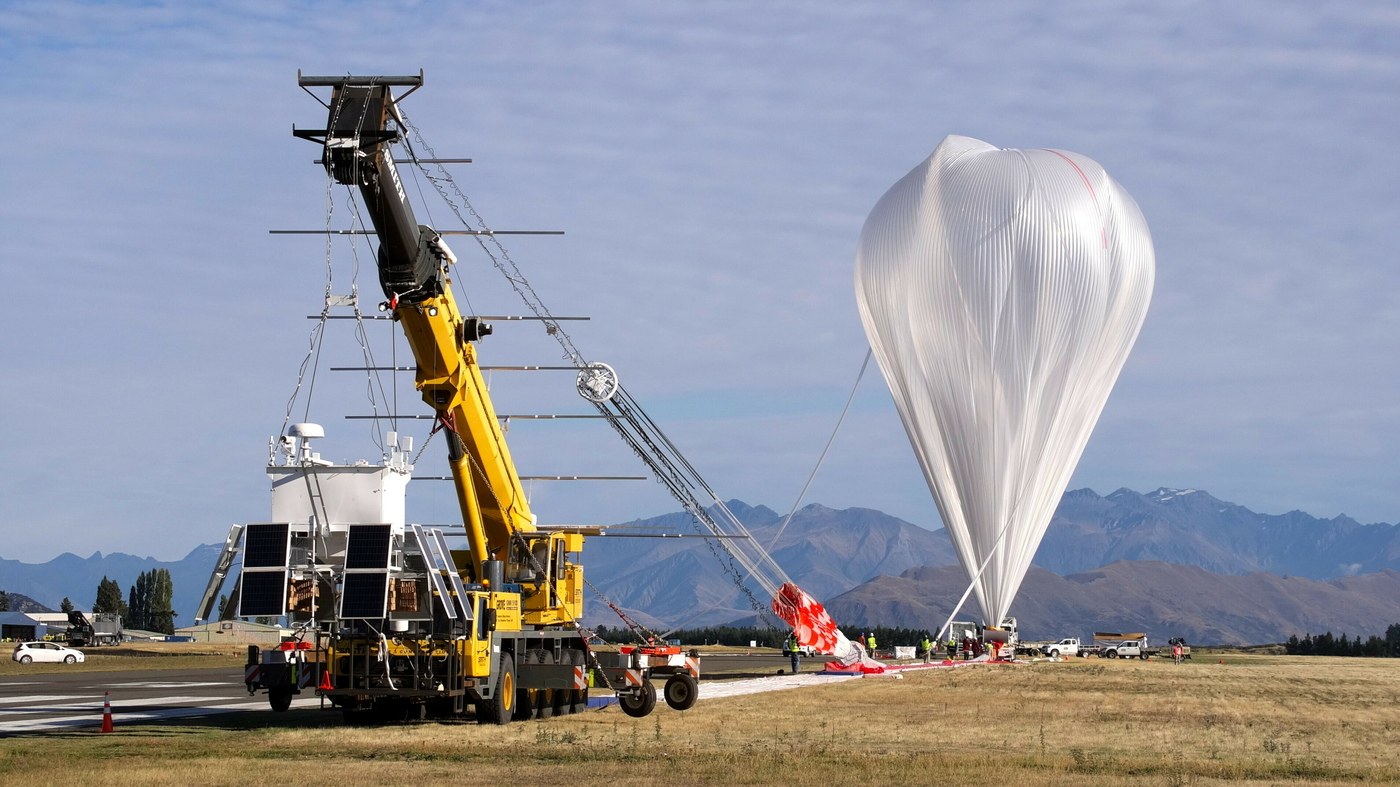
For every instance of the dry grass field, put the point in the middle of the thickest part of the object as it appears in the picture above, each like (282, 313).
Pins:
(1254, 720)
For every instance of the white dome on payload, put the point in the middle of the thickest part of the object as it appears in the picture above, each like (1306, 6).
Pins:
(1001, 291)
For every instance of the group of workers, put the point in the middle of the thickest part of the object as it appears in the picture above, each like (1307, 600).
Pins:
(968, 648)
(794, 649)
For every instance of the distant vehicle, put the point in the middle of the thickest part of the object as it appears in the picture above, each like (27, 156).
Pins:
(28, 652)
(802, 650)
(1127, 649)
(1069, 646)
(1007, 633)
(105, 628)
(1173, 642)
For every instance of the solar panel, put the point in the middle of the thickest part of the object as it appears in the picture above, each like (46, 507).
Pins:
(262, 594)
(265, 546)
(364, 595)
(367, 547)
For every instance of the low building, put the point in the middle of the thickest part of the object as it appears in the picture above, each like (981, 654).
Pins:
(137, 635)
(56, 621)
(236, 632)
(21, 626)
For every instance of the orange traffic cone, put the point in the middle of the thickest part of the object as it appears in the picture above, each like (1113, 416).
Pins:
(325, 679)
(106, 712)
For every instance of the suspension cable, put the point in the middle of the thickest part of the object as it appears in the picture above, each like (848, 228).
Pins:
(822, 458)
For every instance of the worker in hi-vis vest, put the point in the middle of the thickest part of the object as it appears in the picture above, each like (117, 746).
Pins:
(794, 651)
(927, 647)
(870, 643)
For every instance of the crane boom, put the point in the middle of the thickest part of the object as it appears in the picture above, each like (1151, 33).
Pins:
(413, 263)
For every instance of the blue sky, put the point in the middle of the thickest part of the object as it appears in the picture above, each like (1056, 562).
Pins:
(711, 164)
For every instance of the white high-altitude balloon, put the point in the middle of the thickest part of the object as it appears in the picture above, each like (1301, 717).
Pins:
(1001, 291)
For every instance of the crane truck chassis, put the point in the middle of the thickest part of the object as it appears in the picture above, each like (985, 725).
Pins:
(392, 624)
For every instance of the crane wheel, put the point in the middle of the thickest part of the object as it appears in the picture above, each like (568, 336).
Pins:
(577, 699)
(524, 705)
(280, 698)
(639, 704)
(681, 691)
(501, 706)
(533, 703)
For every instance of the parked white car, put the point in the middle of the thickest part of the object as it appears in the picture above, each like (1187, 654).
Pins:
(26, 652)
(1066, 647)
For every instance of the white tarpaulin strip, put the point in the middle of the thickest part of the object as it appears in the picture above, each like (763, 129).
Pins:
(737, 688)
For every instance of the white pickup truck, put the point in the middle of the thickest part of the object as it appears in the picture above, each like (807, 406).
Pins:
(1066, 647)
(1126, 649)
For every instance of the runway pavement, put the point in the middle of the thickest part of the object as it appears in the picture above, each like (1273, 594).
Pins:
(55, 701)
(39, 703)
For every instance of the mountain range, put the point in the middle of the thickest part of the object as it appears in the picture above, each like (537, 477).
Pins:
(22, 603)
(1191, 527)
(669, 582)
(828, 552)
(1162, 599)
(76, 578)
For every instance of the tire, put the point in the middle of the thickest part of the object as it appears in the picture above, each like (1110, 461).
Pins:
(544, 703)
(534, 703)
(524, 705)
(70, 659)
(640, 704)
(1142, 656)
(1112, 654)
(561, 702)
(26, 659)
(1054, 654)
(577, 698)
(501, 706)
(580, 701)
(280, 698)
(681, 691)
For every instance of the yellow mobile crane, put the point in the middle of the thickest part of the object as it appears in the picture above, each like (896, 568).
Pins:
(523, 587)
(403, 626)
(496, 625)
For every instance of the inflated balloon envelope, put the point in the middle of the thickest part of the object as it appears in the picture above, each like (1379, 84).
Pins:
(1001, 291)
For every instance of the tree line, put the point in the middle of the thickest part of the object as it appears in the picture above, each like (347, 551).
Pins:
(1328, 645)
(741, 636)
(147, 606)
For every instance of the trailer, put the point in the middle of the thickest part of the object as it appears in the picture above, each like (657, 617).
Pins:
(630, 670)
(284, 671)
